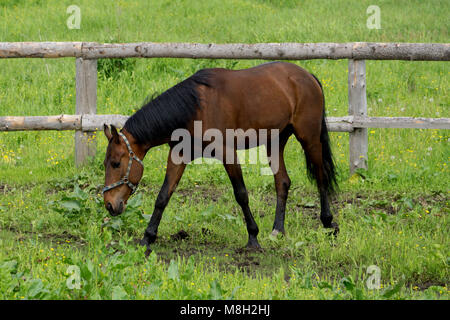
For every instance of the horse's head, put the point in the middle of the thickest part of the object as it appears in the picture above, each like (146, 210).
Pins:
(123, 171)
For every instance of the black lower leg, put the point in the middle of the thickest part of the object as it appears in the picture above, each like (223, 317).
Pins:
(282, 181)
(173, 176)
(241, 195)
(282, 193)
(325, 214)
(152, 228)
(313, 152)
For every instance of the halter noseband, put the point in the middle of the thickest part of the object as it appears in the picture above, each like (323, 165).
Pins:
(125, 180)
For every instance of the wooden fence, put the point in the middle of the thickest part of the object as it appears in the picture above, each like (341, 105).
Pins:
(85, 122)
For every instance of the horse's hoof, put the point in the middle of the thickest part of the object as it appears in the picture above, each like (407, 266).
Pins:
(253, 246)
(144, 242)
(253, 249)
(335, 228)
(276, 232)
(147, 252)
(147, 239)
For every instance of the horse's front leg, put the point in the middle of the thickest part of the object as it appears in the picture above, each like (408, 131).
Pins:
(173, 176)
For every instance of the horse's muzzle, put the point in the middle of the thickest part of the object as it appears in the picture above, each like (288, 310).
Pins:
(115, 211)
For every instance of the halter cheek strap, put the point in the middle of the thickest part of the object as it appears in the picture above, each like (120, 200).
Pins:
(125, 180)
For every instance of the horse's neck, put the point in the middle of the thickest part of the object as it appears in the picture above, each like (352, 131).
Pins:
(155, 143)
(141, 149)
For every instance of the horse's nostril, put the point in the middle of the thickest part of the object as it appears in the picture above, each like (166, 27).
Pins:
(109, 207)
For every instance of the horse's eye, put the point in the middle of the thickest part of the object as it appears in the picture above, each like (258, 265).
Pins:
(115, 164)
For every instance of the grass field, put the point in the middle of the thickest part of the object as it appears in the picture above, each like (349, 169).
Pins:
(394, 216)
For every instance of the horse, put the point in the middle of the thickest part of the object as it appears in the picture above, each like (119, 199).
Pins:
(277, 96)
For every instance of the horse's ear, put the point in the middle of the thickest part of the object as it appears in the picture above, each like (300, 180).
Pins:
(115, 134)
(107, 131)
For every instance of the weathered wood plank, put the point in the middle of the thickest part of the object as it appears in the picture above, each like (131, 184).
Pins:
(401, 122)
(86, 103)
(340, 124)
(60, 122)
(40, 49)
(401, 51)
(357, 107)
(94, 122)
(271, 51)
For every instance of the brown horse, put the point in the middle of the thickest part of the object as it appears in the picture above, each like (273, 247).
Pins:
(278, 96)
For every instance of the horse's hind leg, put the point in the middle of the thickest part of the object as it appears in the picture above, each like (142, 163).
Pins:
(313, 152)
(241, 195)
(282, 181)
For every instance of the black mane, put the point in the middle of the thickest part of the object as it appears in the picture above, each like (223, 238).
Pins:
(169, 111)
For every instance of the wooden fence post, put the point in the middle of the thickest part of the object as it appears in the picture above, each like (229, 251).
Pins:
(357, 106)
(86, 103)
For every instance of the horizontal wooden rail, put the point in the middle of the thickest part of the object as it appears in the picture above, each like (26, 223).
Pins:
(401, 122)
(61, 122)
(94, 122)
(272, 51)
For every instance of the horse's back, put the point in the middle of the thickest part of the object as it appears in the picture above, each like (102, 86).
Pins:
(267, 96)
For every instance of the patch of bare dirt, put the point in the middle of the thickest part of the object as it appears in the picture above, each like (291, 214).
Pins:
(65, 238)
(4, 188)
(180, 235)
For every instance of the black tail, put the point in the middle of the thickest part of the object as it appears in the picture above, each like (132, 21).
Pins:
(329, 182)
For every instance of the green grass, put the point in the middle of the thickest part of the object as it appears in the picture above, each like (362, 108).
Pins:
(395, 216)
